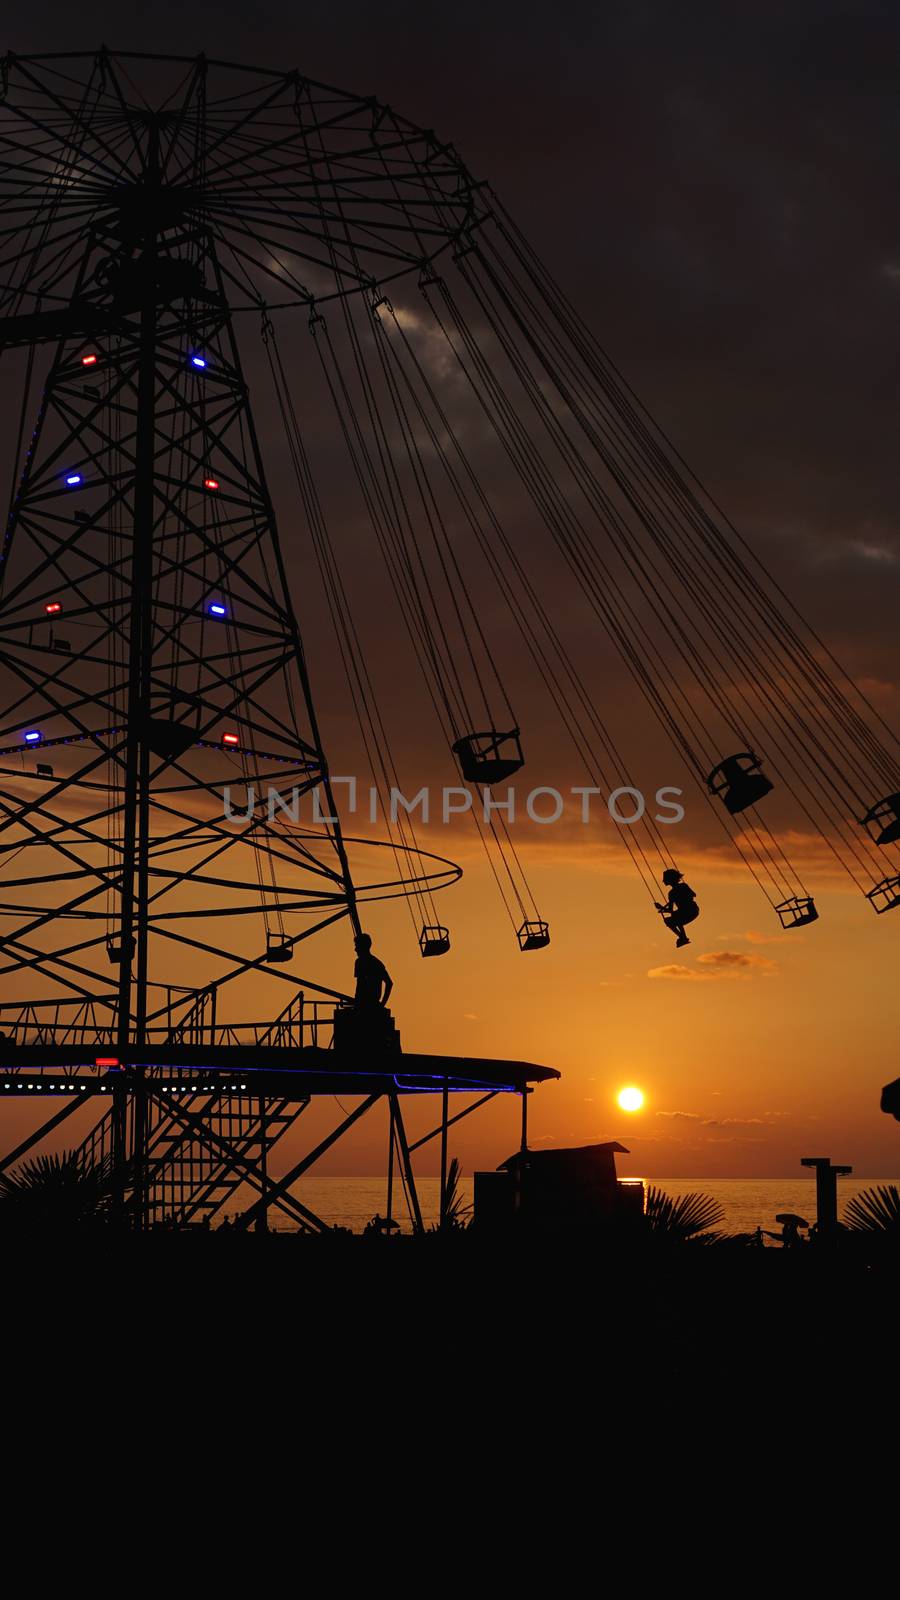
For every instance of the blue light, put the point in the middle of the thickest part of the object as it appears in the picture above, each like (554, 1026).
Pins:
(217, 610)
(73, 479)
(32, 737)
(198, 361)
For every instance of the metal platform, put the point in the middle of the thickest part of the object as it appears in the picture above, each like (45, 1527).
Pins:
(253, 1070)
(206, 1115)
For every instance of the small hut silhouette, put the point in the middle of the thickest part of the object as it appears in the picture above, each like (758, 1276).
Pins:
(556, 1188)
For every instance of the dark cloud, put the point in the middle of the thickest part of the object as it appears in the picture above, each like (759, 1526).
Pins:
(720, 1122)
(717, 192)
(717, 965)
(737, 1122)
(736, 961)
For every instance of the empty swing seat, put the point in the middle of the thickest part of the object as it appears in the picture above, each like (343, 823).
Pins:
(168, 740)
(278, 948)
(119, 950)
(489, 757)
(434, 940)
(797, 912)
(533, 935)
(885, 895)
(739, 781)
(883, 820)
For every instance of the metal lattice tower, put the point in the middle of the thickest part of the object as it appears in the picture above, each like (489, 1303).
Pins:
(151, 655)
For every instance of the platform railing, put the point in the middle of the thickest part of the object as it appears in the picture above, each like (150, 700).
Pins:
(86, 1025)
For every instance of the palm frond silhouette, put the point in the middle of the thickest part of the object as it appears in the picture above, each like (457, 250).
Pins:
(58, 1189)
(456, 1208)
(875, 1210)
(686, 1217)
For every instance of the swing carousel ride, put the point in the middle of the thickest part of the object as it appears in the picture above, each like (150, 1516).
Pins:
(167, 225)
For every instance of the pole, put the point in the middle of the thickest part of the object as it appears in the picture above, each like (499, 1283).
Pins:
(827, 1176)
(136, 799)
(390, 1170)
(418, 1226)
(445, 1107)
(262, 1221)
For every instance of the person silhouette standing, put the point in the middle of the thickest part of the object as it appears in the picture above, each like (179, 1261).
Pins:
(373, 981)
(681, 906)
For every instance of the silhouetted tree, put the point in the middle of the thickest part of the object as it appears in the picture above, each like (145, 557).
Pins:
(56, 1191)
(690, 1217)
(457, 1210)
(875, 1210)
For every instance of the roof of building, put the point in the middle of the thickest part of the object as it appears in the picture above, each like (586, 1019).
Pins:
(538, 1157)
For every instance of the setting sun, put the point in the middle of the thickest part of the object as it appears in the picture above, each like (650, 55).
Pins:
(630, 1099)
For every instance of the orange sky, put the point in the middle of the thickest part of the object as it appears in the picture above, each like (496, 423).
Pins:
(739, 259)
(753, 1047)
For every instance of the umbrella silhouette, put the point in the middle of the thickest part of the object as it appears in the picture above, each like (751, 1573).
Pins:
(380, 1224)
(791, 1216)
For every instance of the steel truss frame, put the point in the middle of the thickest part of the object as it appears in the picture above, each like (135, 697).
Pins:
(206, 1133)
(134, 232)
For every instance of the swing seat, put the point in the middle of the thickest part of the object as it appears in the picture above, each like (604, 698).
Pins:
(533, 935)
(119, 950)
(278, 948)
(173, 726)
(885, 895)
(680, 914)
(169, 740)
(434, 940)
(797, 912)
(883, 820)
(739, 781)
(489, 757)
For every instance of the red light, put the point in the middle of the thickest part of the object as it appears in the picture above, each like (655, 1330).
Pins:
(230, 738)
(107, 1061)
(211, 483)
(53, 607)
(89, 360)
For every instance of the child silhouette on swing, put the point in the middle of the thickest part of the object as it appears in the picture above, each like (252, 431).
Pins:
(681, 906)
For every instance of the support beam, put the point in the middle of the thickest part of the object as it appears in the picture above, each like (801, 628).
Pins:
(466, 1112)
(133, 907)
(233, 1161)
(35, 1138)
(283, 1184)
(86, 317)
(390, 1170)
(262, 1221)
(442, 1214)
(418, 1225)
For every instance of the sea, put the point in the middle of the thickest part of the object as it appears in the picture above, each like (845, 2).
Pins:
(748, 1203)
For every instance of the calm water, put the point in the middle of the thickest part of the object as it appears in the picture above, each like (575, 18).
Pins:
(747, 1202)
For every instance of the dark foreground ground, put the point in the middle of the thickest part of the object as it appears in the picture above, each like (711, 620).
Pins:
(559, 1326)
(540, 1412)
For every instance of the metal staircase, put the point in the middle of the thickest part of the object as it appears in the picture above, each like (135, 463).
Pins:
(199, 1156)
(202, 1147)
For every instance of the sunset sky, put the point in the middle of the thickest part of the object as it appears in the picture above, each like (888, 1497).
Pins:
(717, 191)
